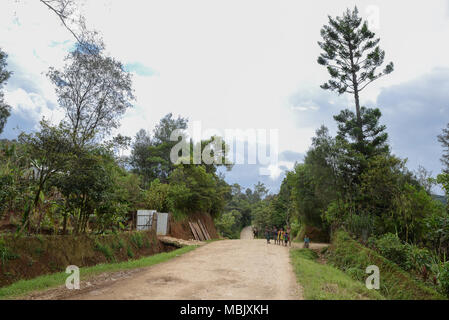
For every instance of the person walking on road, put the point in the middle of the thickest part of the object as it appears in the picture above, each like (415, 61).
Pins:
(289, 231)
(280, 236)
(286, 237)
(274, 234)
(267, 234)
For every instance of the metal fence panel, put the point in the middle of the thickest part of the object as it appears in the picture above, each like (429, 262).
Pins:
(162, 223)
(144, 219)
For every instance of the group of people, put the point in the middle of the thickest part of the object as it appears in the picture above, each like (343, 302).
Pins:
(280, 237)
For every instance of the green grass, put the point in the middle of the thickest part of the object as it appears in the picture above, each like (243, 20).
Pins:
(23, 287)
(324, 282)
(352, 257)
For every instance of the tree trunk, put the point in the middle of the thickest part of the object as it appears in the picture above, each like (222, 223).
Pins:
(64, 224)
(355, 83)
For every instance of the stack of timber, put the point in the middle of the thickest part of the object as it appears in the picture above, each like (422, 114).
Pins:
(199, 231)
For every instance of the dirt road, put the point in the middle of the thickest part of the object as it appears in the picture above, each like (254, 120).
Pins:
(222, 270)
(247, 233)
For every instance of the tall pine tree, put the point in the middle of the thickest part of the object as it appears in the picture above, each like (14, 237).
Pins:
(352, 56)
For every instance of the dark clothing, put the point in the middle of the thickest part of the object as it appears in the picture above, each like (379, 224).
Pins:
(267, 235)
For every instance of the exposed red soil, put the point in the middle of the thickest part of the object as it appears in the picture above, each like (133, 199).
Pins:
(29, 257)
(181, 229)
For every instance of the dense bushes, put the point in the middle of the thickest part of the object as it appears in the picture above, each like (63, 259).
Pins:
(444, 278)
(395, 283)
(190, 189)
(392, 248)
(228, 224)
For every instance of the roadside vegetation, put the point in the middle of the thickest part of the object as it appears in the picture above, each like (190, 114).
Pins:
(353, 182)
(324, 282)
(396, 280)
(31, 256)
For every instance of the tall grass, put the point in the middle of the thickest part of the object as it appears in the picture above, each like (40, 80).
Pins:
(324, 282)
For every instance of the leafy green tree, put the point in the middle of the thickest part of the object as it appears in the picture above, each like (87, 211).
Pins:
(150, 155)
(238, 200)
(373, 138)
(87, 186)
(228, 224)
(166, 126)
(436, 232)
(352, 56)
(443, 138)
(5, 110)
(15, 176)
(206, 191)
(140, 155)
(49, 151)
(443, 180)
(317, 182)
(94, 90)
(158, 197)
(261, 214)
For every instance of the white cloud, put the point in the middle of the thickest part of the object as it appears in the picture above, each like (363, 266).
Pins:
(32, 106)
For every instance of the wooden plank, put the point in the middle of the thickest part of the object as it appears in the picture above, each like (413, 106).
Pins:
(195, 235)
(208, 234)
(198, 230)
(210, 238)
(203, 228)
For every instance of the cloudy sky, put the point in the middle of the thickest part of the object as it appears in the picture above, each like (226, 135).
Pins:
(241, 65)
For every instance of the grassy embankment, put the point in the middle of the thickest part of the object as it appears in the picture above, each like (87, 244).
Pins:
(324, 282)
(395, 284)
(23, 287)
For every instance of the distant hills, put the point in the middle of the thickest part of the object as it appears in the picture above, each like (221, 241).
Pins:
(443, 199)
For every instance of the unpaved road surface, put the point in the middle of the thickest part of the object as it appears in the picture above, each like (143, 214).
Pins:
(247, 233)
(221, 270)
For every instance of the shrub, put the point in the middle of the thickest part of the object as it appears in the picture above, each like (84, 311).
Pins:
(106, 250)
(444, 278)
(391, 247)
(353, 258)
(121, 244)
(307, 254)
(419, 258)
(137, 240)
(6, 254)
(130, 252)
